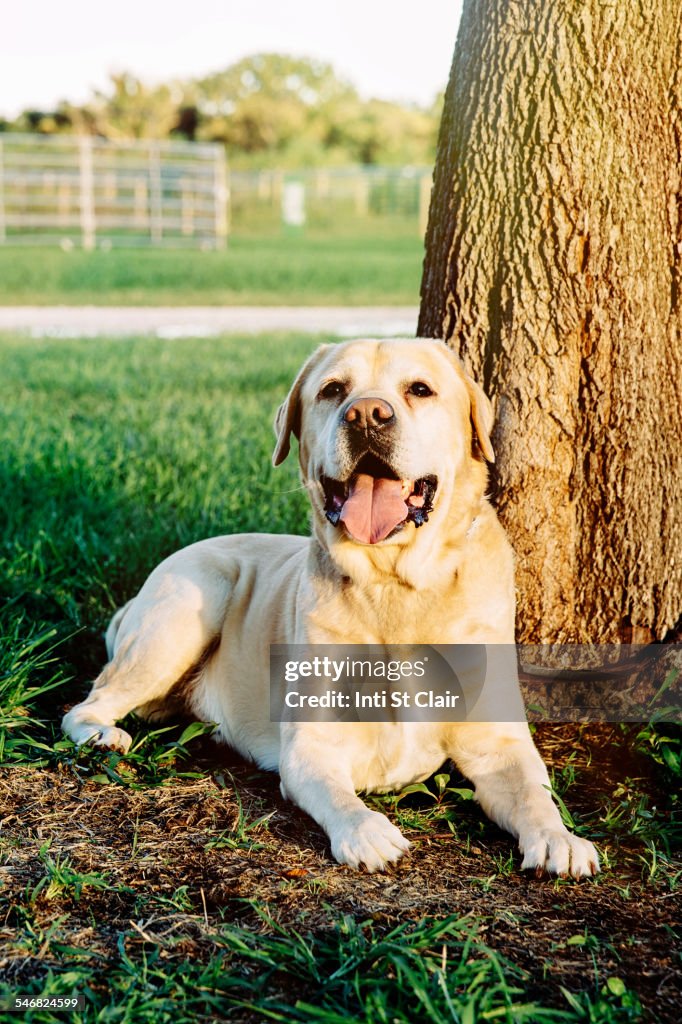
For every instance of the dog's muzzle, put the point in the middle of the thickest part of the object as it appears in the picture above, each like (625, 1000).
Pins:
(374, 502)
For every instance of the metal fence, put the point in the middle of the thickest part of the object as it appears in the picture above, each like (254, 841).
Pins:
(88, 191)
(342, 200)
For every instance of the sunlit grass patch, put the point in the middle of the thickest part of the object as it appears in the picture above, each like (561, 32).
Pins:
(286, 270)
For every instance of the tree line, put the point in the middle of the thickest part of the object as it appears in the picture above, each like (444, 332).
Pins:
(267, 109)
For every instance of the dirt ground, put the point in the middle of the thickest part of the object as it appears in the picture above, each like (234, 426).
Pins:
(153, 842)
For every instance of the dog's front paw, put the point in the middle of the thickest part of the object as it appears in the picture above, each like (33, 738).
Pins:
(113, 738)
(558, 852)
(370, 840)
(85, 732)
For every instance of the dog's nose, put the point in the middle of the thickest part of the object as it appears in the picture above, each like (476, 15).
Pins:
(368, 413)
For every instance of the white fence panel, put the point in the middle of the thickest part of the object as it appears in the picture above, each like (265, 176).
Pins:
(84, 190)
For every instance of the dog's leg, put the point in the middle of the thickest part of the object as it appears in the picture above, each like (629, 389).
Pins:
(320, 783)
(512, 787)
(162, 634)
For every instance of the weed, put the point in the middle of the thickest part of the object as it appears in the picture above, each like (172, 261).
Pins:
(61, 879)
(240, 837)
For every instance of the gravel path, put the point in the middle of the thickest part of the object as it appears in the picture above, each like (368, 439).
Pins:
(203, 321)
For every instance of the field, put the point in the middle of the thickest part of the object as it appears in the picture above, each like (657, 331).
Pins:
(175, 884)
(286, 270)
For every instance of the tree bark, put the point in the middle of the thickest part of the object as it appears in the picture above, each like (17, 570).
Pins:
(553, 257)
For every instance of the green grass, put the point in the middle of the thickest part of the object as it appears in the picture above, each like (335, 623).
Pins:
(352, 973)
(278, 270)
(114, 454)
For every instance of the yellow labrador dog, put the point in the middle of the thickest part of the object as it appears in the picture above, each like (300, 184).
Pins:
(393, 440)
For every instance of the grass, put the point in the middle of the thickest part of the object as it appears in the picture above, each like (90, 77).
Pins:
(353, 973)
(174, 884)
(284, 270)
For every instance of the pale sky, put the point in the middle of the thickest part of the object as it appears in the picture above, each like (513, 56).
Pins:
(61, 49)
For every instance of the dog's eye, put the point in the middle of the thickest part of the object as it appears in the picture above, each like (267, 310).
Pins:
(333, 389)
(419, 389)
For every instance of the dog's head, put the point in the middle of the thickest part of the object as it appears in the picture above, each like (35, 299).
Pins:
(387, 429)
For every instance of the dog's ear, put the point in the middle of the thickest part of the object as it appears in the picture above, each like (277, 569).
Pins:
(481, 417)
(288, 418)
(481, 408)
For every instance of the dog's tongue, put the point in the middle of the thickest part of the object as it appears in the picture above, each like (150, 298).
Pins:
(373, 508)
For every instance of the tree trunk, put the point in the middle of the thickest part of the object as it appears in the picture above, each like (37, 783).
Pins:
(552, 267)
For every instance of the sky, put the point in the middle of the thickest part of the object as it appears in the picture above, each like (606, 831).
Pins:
(391, 49)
